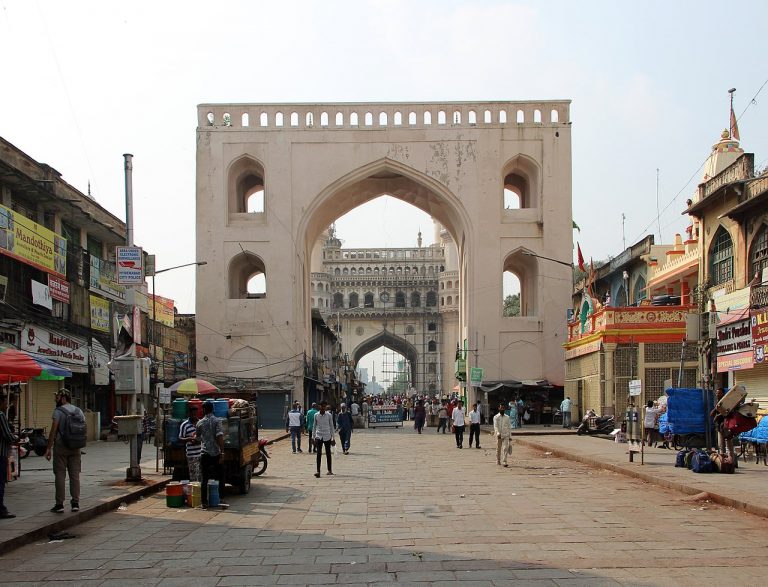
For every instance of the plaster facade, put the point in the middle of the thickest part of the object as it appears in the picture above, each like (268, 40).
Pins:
(315, 162)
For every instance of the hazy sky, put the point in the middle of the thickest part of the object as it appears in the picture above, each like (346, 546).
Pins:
(85, 82)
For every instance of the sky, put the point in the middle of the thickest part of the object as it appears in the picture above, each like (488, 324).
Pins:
(85, 81)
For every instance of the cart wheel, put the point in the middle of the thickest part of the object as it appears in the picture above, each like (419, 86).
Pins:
(261, 466)
(245, 482)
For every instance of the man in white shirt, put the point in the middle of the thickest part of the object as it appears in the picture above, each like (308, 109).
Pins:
(474, 426)
(457, 417)
(502, 427)
(355, 408)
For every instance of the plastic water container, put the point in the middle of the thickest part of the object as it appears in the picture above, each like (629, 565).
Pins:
(196, 405)
(174, 495)
(213, 493)
(220, 408)
(180, 409)
(232, 434)
(194, 499)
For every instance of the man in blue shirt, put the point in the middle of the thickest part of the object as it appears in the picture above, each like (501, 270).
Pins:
(210, 433)
(565, 409)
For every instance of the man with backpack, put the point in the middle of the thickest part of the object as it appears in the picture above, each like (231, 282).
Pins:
(68, 435)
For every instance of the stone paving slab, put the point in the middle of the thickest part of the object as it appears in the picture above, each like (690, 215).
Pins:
(545, 521)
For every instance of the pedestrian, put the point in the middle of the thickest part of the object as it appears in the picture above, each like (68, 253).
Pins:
(419, 416)
(365, 407)
(309, 420)
(323, 435)
(520, 411)
(345, 425)
(65, 440)
(502, 426)
(650, 423)
(512, 413)
(211, 435)
(474, 426)
(188, 435)
(565, 410)
(354, 409)
(7, 438)
(442, 418)
(457, 417)
(293, 423)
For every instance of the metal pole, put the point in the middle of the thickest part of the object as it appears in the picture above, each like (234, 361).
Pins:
(128, 166)
(682, 358)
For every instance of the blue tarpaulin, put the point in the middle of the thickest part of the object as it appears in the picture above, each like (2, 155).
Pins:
(688, 410)
(759, 434)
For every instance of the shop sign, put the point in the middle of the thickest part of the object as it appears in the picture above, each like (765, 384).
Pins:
(9, 337)
(104, 279)
(30, 243)
(635, 387)
(163, 310)
(734, 346)
(759, 322)
(41, 295)
(59, 288)
(99, 362)
(130, 270)
(99, 313)
(385, 416)
(62, 348)
(476, 376)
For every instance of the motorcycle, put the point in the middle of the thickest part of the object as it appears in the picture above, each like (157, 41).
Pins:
(594, 424)
(261, 466)
(32, 440)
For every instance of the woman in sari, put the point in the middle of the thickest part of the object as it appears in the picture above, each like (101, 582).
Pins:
(512, 413)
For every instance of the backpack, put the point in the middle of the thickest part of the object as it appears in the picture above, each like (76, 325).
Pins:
(73, 429)
(689, 458)
(736, 423)
(680, 458)
(701, 463)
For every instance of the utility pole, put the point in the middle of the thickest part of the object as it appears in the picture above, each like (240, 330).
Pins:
(623, 233)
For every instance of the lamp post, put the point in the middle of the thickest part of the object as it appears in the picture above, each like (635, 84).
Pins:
(154, 347)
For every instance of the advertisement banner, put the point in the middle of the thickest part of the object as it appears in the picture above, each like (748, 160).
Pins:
(66, 349)
(41, 296)
(59, 288)
(163, 310)
(759, 322)
(99, 361)
(99, 313)
(476, 376)
(130, 270)
(104, 279)
(30, 243)
(385, 416)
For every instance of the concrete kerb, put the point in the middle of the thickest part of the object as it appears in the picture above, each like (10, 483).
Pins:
(717, 498)
(87, 513)
(82, 516)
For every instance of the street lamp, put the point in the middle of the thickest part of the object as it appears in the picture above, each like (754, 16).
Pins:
(154, 343)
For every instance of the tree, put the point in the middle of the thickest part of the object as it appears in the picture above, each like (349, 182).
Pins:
(512, 305)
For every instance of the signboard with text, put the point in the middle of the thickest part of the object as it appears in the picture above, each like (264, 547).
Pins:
(734, 345)
(476, 376)
(99, 313)
(130, 270)
(31, 243)
(62, 348)
(163, 310)
(759, 324)
(383, 416)
(103, 279)
(59, 288)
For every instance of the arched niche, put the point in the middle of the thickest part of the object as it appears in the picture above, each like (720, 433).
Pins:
(246, 269)
(525, 267)
(246, 186)
(521, 176)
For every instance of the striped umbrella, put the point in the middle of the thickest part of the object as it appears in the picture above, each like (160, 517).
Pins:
(17, 365)
(193, 387)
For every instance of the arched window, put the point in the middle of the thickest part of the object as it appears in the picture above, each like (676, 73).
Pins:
(456, 117)
(368, 119)
(263, 119)
(399, 300)
(442, 301)
(345, 271)
(432, 346)
(758, 254)
(339, 119)
(310, 119)
(427, 118)
(313, 302)
(520, 117)
(502, 116)
(441, 117)
(246, 186)
(520, 184)
(353, 300)
(537, 116)
(368, 300)
(431, 299)
(382, 119)
(415, 300)
(487, 117)
(244, 120)
(554, 116)
(412, 118)
(338, 301)
(721, 257)
(398, 119)
(323, 119)
(450, 300)
(247, 277)
(472, 117)
(639, 292)
(519, 285)
(442, 286)
(327, 287)
(621, 298)
(353, 119)
(279, 119)
(294, 119)
(337, 271)
(353, 271)
(368, 270)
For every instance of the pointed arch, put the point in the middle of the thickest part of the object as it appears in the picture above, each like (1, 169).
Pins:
(247, 275)
(721, 257)
(393, 342)
(521, 176)
(245, 185)
(524, 265)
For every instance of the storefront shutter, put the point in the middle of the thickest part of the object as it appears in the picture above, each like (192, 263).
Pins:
(756, 382)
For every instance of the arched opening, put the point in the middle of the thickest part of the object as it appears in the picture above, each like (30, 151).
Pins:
(412, 118)
(472, 117)
(395, 359)
(246, 186)
(338, 301)
(520, 183)
(639, 292)
(279, 119)
(398, 119)
(323, 119)
(554, 116)
(247, 277)
(758, 253)
(431, 299)
(621, 300)
(244, 120)
(353, 120)
(432, 346)
(721, 257)
(415, 300)
(368, 300)
(399, 300)
(353, 300)
(339, 119)
(520, 275)
(263, 119)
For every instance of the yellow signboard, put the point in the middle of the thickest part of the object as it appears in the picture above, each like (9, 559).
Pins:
(163, 310)
(30, 243)
(99, 313)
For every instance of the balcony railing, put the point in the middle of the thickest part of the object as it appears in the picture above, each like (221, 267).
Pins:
(607, 319)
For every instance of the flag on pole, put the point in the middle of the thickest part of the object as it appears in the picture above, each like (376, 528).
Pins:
(734, 125)
(580, 258)
(575, 226)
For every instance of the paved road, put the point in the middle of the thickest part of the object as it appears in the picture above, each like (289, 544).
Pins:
(413, 509)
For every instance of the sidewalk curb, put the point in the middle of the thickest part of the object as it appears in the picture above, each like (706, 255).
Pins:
(82, 516)
(717, 498)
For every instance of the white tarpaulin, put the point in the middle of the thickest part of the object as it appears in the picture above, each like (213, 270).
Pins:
(41, 295)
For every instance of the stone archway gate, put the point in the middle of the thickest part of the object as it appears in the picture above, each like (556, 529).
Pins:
(316, 162)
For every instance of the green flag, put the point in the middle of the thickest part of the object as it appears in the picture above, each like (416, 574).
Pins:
(576, 226)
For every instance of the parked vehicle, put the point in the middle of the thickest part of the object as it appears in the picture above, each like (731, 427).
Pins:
(32, 440)
(261, 465)
(594, 424)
